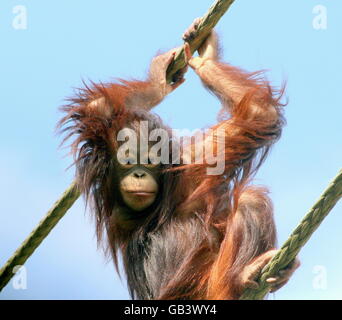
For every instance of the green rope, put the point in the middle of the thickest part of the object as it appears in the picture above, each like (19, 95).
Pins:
(208, 22)
(44, 227)
(298, 238)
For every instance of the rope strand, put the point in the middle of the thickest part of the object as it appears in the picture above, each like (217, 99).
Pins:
(298, 238)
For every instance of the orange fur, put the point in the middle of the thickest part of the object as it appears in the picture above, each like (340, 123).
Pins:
(211, 226)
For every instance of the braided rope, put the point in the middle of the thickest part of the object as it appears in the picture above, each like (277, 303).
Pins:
(208, 22)
(298, 238)
(35, 238)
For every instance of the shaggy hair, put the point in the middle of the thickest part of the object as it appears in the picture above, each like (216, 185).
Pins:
(193, 242)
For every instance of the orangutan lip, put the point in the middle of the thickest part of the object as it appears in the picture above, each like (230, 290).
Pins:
(141, 193)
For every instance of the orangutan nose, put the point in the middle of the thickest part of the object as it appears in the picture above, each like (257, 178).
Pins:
(139, 174)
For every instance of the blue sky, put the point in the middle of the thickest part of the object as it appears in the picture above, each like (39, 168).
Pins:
(67, 41)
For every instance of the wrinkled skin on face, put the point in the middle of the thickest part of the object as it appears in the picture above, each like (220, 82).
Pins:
(138, 185)
(139, 179)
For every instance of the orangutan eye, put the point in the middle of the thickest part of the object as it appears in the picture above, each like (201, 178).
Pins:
(128, 163)
(152, 162)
